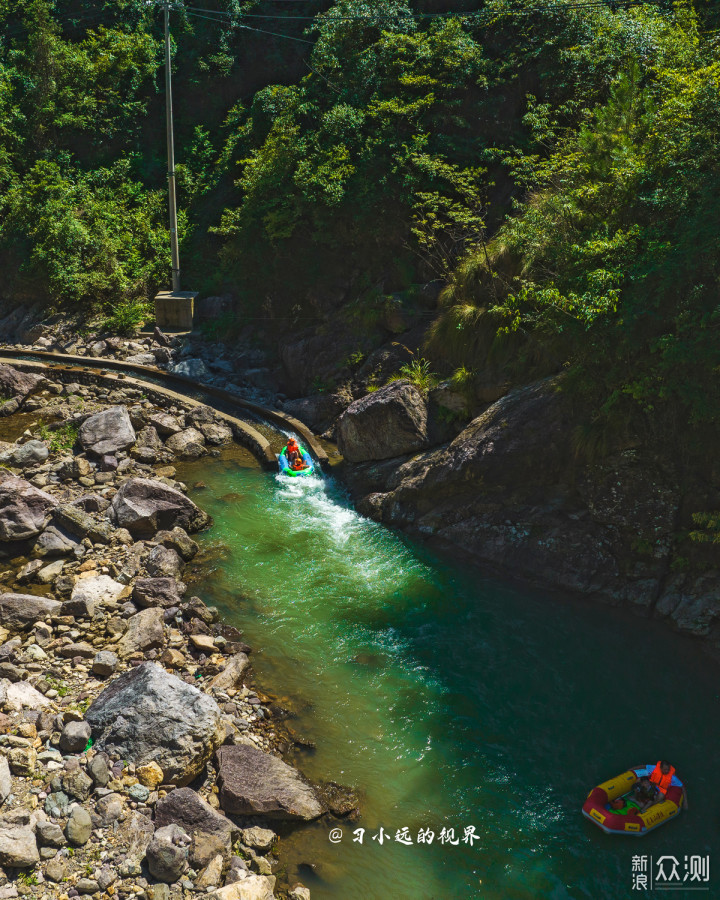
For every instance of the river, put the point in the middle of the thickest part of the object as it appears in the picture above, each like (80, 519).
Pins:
(451, 700)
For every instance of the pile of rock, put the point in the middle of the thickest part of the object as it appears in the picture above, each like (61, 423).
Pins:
(118, 691)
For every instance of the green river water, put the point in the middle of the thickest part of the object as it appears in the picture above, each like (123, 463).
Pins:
(450, 700)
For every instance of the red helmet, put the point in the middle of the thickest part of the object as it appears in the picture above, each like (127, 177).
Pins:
(292, 443)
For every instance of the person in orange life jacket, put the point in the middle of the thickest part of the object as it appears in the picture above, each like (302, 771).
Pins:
(658, 782)
(294, 457)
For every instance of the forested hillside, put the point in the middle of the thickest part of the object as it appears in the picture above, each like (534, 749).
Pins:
(553, 165)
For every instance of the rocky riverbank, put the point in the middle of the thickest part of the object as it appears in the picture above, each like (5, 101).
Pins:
(494, 478)
(136, 760)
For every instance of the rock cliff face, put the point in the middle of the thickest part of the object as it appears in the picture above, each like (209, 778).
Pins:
(508, 493)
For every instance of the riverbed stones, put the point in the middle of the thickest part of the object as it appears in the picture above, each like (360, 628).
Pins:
(91, 592)
(163, 592)
(5, 780)
(107, 431)
(23, 509)
(147, 714)
(19, 611)
(104, 663)
(22, 695)
(165, 424)
(259, 838)
(187, 444)
(253, 887)
(49, 834)
(19, 385)
(23, 456)
(55, 541)
(98, 768)
(178, 540)
(74, 737)
(230, 678)
(164, 562)
(253, 782)
(79, 826)
(75, 520)
(386, 423)
(167, 853)
(77, 784)
(186, 807)
(145, 631)
(145, 507)
(18, 847)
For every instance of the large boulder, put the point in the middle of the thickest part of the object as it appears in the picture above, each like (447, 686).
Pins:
(18, 847)
(186, 808)
(149, 715)
(19, 384)
(387, 423)
(165, 592)
(255, 783)
(145, 507)
(167, 853)
(20, 611)
(23, 456)
(144, 632)
(187, 444)
(23, 509)
(252, 887)
(107, 431)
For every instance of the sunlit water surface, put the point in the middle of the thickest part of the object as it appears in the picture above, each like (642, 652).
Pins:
(450, 700)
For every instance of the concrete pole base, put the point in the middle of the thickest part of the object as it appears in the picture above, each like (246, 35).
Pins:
(174, 310)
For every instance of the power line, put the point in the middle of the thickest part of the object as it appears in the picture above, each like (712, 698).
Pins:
(237, 24)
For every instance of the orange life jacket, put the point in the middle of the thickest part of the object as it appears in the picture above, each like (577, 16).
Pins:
(660, 779)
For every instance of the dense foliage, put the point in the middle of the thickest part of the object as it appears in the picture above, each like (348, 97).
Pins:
(555, 163)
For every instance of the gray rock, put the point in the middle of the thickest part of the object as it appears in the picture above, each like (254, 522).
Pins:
(19, 385)
(205, 847)
(299, 892)
(79, 826)
(49, 834)
(165, 424)
(29, 571)
(77, 784)
(217, 433)
(23, 456)
(89, 593)
(107, 431)
(55, 870)
(50, 572)
(211, 876)
(78, 522)
(144, 632)
(18, 847)
(138, 792)
(74, 737)
(145, 507)
(109, 808)
(20, 611)
(86, 886)
(253, 782)
(134, 835)
(187, 444)
(55, 541)
(149, 715)
(231, 676)
(167, 853)
(23, 509)
(56, 804)
(98, 769)
(387, 423)
(190, 368)
(5, 780)
(164, 592)
(108, 876)
(185, 807)
(164, 562)
(258, 838)
(178, 540)
(105, 663)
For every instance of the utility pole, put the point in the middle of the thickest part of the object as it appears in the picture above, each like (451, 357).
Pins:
(171, 157)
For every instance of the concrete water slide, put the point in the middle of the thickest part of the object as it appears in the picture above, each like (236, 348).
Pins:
(161, 383)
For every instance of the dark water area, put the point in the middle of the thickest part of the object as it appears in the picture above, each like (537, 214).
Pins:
(451, 700)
